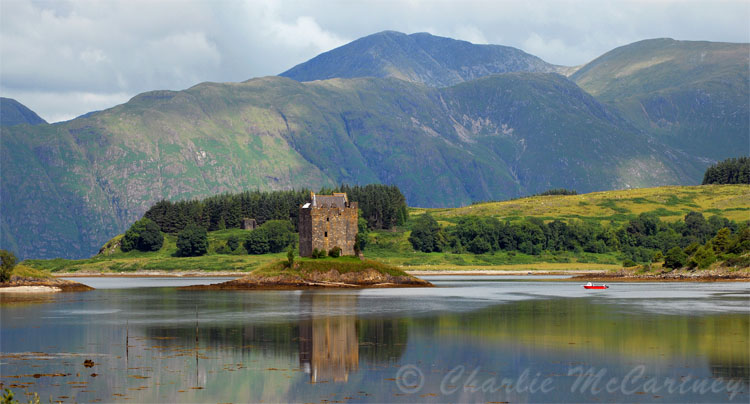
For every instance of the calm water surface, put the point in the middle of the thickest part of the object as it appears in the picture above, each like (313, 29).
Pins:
(470, 339)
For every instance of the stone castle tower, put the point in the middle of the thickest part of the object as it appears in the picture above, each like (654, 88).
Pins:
(327, 221)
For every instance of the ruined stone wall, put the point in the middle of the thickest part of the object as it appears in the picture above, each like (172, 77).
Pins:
(323, 228)
(305, 232)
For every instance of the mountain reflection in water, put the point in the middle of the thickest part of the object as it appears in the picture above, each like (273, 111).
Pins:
(167, 345)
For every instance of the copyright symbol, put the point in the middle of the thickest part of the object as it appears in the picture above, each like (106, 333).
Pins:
(409, 379)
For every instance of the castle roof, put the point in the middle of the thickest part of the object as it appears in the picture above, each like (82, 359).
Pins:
(338, 200)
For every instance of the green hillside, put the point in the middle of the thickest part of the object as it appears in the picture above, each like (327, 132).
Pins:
(693, 96)
(653, 113)
(420, 58)
(68, 187)
(609, 208)
(669, 203)
(13, 113)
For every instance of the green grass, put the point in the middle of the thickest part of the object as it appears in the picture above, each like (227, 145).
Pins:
(28, 272)
(730, 201)
(127, 262)
(392, 248)
(341, 264)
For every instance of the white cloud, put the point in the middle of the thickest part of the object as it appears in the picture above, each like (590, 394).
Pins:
(64, 58)
(470, 33)
(303, 33)
(64, 106)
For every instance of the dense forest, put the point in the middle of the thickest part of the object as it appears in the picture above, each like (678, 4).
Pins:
(729, 171)
(382, 206)
(644, 239)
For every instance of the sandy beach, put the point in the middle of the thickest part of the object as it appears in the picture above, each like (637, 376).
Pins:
(30, 289)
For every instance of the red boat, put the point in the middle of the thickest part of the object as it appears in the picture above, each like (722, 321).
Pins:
(592, 286)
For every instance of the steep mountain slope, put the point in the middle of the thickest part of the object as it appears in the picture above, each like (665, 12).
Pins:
(13, 112)
(551, 132)
(67, 188)
(419, 58)
(693, 96)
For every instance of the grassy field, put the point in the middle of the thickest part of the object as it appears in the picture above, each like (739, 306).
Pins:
(670, 203)
(393, 248)
(28, 272)
(114, 260)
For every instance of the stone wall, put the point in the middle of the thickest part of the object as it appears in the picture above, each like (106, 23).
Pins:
(323, 228)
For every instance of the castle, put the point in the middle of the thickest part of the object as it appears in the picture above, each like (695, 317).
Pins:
(327, 221)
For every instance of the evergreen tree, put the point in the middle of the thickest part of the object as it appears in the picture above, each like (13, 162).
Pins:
(729, 171)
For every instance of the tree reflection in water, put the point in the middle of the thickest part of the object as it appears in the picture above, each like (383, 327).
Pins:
(325, 332)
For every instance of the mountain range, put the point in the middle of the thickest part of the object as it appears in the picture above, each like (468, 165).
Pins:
(447, 121)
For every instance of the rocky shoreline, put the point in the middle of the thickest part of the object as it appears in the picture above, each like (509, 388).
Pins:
(680, 275)
(18, 284)
(368, 278)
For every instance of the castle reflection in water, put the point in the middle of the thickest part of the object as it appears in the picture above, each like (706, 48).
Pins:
(328, 344)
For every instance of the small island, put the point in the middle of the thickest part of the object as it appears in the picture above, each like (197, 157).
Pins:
(341, 272)
(19, 278)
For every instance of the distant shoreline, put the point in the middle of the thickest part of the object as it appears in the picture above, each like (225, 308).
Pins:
(227, 274)
(578, 275)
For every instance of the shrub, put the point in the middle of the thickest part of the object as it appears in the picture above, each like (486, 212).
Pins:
(425, 235)
(272, 237)
(233, 242)
(658, 257)
(692, 248)
(334, 252)
(224, 249)
(280, 234)
(192, 241)
(675, 258)
(628, 263)
(257, 242)
(7, 263)
(479, 245)
(704, 257)
(360, 241)
(143, 235)
(290, 258)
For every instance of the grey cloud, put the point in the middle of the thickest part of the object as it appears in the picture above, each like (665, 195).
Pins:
(65, 58)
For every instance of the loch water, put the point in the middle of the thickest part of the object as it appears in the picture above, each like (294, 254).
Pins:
(469, 339)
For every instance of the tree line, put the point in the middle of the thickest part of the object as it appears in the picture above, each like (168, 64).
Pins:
(382, 206)
(276, 212)
(729, 171)
(644, 239)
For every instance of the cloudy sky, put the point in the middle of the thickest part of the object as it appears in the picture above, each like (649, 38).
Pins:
(65, 58)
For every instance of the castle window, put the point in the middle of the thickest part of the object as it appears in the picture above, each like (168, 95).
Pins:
(327, 219)
(325, 234)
